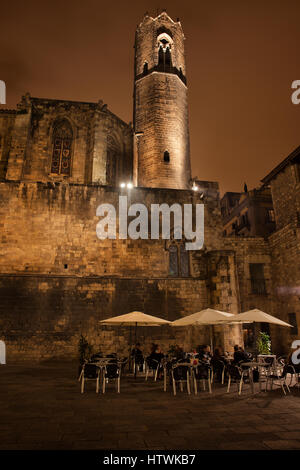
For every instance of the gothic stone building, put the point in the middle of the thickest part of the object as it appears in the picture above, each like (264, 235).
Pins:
(60, 159)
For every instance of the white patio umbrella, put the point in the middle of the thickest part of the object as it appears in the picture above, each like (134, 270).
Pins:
(135, 319)
(208, 316)
(258, 316)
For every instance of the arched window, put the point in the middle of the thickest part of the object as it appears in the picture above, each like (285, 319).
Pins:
(62, 148)
(164, 44)
(178, 260)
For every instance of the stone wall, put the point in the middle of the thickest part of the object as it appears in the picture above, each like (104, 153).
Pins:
(43, 316)
(285, 251)
(285, 188)
(58, 279)
(7, 121)
(95, 132)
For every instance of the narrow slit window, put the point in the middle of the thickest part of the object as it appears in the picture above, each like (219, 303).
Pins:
(166, 157)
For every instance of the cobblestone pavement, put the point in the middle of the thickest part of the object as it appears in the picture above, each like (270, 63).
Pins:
(42, 408)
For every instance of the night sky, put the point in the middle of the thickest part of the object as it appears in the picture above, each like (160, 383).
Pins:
(242, 57)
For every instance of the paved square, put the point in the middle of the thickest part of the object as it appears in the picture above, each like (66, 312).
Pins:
(42, 408)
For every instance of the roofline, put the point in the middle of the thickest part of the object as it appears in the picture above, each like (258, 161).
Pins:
(289, 159)
(90, 103)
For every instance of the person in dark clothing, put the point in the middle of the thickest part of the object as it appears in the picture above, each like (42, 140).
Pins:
(205, 354)
(179, 353)
(137, 355)
(157, 355)
(218, 362)
(239, 355)
(218, 356)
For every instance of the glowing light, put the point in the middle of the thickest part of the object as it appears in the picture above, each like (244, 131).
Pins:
(122, 185)
(195, 187)
(129, 185)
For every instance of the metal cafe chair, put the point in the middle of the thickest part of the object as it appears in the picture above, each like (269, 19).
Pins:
(152, 365)
(281, 379)
(138, 364)
(122, 363)
(112, 371)
(90, 371)
(218, 369)
(202, 373)
(181, 373)
(236, 374)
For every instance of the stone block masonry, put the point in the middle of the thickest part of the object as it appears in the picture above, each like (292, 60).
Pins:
(58, 279)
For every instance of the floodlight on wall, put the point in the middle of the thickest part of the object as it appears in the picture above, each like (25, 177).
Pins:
(195, 187)
(129, 185)
(122, 185)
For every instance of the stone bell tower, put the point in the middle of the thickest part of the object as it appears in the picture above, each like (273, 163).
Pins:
(161, 158)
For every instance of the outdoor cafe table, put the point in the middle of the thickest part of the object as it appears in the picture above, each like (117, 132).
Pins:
(254, 365)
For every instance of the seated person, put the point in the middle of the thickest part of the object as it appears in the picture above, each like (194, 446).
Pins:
(157, 355)
(218, 362)
(218, 355)
(179, 353)
(205, 354)
(137, 355)
(239, 355)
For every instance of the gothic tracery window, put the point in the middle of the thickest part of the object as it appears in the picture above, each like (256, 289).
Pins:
(164, 51)
(62, 148)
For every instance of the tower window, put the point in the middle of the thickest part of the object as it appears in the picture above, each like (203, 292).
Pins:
(164, 44)
(145, 70)
(166, 157)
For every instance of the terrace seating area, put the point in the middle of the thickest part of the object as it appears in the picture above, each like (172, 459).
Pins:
(190, 370)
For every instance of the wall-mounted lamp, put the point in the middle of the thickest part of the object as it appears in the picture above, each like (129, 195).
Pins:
(126, 185)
